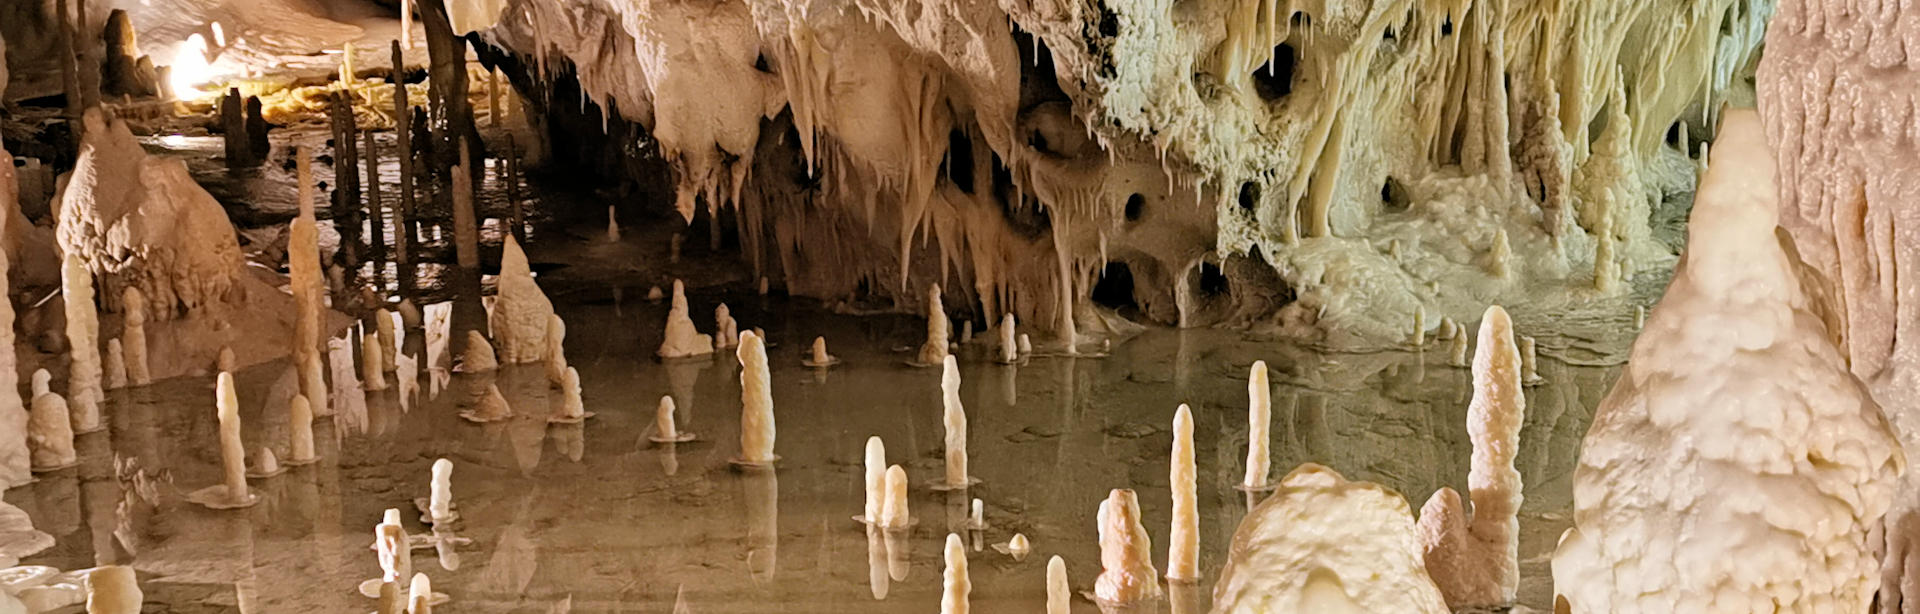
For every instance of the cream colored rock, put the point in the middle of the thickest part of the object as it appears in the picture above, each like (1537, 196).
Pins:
(956, 587)
(818, 358)
(265, 464)
(682, 340)
(1059, 595)
(1026, 345)
(1323, 544)
(756, 402)
(934, 351)
(1126, 554)
(349, 395)
(300, 431)
(49, 429)
(305, 278)
(1183, 548)
(372, 363)
(1457, 350)
(876, 482)
(1737, 413)
(1530, 362)
(1259, 420)
(1476, 561)
(440, 500)
(389, 339)
(478, 357)
(556, 350)
(420, 595)
(572, 408)
(16, 449)
(895, 513)
(520, 309)
(665, 428)
(954, 418)
(225, 361)
(83, 346)
(726, 332)
(232, 492)
(113, 589)
(1009, 343)
(116, 365)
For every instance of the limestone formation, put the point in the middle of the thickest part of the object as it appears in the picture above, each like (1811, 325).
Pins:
(116, 365)
(225, 361)
(300, 431)
(1323, 544)
(113, 589)
(876, 483)
(1676, 446)
(389, 339)
(520, 310)
(83, 346)
(895, 513)
(49, 429)
(954, 418)
(817, 357)
(16, 456)
(1009, 344)
(955, 585)
(372, 363)
(1127, 575)
(556, 350)
(440, 499)
(665, 428)
(479, 357)
(265, 464)
(305, 278)
(756, 401)
(726, 332)
(572, 409)
(934, 351)
(682, 340)
(1183, 548)
(1476, 560)
(1259, 419)
(407, 380)
(1059, 597)
(490, 406)
(232, 491)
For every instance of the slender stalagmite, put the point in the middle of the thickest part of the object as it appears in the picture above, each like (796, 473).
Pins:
(955, 419)
(1259, 419)
(16, 456)
(934, 351)
(300, 431)
(113, 589)
(819, 358)
(83, 334)
(895, 514)
(389, 341)
(1183, 548)
(556, 350)
(305, 278)
(1475, 559)
(440, 502)
(116, 365)
(1457, 353)
(756, 401)
(1529, 362)
(232, 491)
(420, 595)
(1009, 344)
(613, 225)
(876, 470)
(665, 429)
(49, 430)
(134, 335)
(1419, 338)
(1058, 594)
(726, 332)
(1126, 554)
(956, 586)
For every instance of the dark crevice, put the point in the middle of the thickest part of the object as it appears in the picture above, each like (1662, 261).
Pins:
(1249, 195)
(1136, 206)
(1212, 282)
(1394, 194)
(1446, 25)
(1022, 212)
(1274, 79)
(1115, 288)
(960, 160)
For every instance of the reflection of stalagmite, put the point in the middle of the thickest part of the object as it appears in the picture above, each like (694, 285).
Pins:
(489, 406)
(763, 521)
(954, 416)
(1183, 548)
(478, 357)
(49, 428)
(83, 335)
(682, 340)
(1735, 413)
(877, 579)
(1126, 554)
(1475, 562)
(934, 351)
(1259, 419)
(1324, 544)
(756, 403)
(955, 584)
(116, 365)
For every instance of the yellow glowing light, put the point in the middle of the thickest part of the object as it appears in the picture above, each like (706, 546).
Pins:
(190, 69)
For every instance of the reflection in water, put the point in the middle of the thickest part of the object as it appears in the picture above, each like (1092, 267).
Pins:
(877, 562)
(760, 487)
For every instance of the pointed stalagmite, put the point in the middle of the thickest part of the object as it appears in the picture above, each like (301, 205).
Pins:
(613, 225)
(1059, 595)
(113, 589)
(1457, 352)
(83, 335)
(934, 351)
(1476, 562)
(478, 357)
(1019, 547)
(665, 429)
(372, 359)
(16, 453)
(876, 474)
(1009, 343)
(389, 340)
(556, 350)
(572, 408)
(818, 358)
(954, 416)
(956, 586)
(682, 340)
(232, 491)
(116, 365)
(1419, 337)
(1499, 255)
(300, 431)
(1126, 554)
(305, 278)
(265, 464)
(756, 401)
(1183, 548)
(1259, 419)
(49, 429)
(1529, 362)
(520, 310)
(726, 332)
(895, 514)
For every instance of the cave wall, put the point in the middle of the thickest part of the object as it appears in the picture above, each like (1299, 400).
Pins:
(1383, 158)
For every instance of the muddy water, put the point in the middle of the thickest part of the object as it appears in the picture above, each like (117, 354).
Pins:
(596, 517)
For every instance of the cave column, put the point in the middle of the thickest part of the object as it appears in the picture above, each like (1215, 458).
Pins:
(403, 229)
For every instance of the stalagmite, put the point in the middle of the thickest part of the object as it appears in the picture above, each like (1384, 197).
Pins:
(1059, 595)
(265, 464)
(83, 346)
(682, 340)
(1457, 351)
(1639, 317)
(113, 589)
(1026, 345)
(49, 429)
(224, 361)
(665, 430)
(613, 226)
(406, 376)
(1019, 547)
(954, 416)
(420, 595)
(300, 431)
(572, 408)
(654, 294)
(1323, 544)
(1126, 554)
(520, 310)
(819, 358)
(479, 355)
(1259, 420)
(304, 278)
(1009, 344)
(372, 360)
(16, 447)
(312, 376)
(726, 332)
(1183, 548)
(490, 406)
(895, 513)
(1476, 562)
(876, 474)
(232, 492)
(762, 287)
(391, 543)
(440, 501)
(1448, 329)
(1606, 269)
(556, 350)
(977, 519)
(116, 365)
(756, 402)
(934, 351)
(389, 338)
(966, 332)
(1529, 363)
(1419, 337)
(955, 584)
(1499, 255)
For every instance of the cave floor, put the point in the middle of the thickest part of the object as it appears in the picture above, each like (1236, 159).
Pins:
(597, 518)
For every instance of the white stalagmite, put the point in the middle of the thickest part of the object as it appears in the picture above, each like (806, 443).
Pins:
(1059, 595)
(977, 519)
(1419, 337)
(406, 375)
(113, 589)
(954, 416)
(556, 350)
(49, 429)
(934, 351)
(756, 401)
(265, 464)
(1259, 420)
(420, 595)
(520, 309)
(133, 336)
(876, 474)
(1026, 345)
(572, 408)
(1019, 547)
(1499, 255)
(682, 340)
(1126, 553)
(1529, 362)
(1183, 548)
(311, 373)
(116, 365)
(665, 428)
(1323, 544)
(1476, 562)
(389, 339)
(896, 514)
(440, 499)
(372, 360)
(305, 277)
(478, 357)
(1009, 343)
(232, 491)
(1457, 352)
(955, 584)
(16, 455)
(1736, 412)
(726, 332)
(83, 341)
(300, 431)
(818, 357)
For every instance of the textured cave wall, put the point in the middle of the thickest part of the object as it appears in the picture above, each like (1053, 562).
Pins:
(1373, 154)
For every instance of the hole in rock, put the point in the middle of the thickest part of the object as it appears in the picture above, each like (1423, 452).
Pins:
(760, 63)
(1212, 281)
(1446, 26)
(1249, 195)
(1394, 194)
(1300, 19)
(1109, 22)
(960, 160)
(1115, 288)
(1274, 80)
(1673, 134)
(1388, 35)
(1136, 205)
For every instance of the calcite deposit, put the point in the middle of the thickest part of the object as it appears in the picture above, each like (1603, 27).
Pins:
(520, 310)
